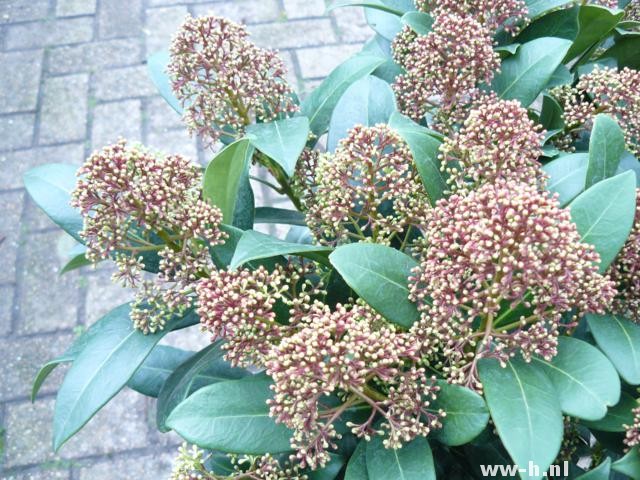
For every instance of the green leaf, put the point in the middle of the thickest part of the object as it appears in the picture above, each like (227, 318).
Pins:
(50, 187)
(414, 461)
(419, 22)
(625, 53)
(375, 4)
(157, 67)
(76, 262)
(379, 274)
(279, 215)
(330, 470)
(606, 147)
(281, 140)
(617, 416)
(112, 354)
(157, 367)
(551, 115)
(223, 177)
(605, 213)
(586, 382)
(204, 368)
(232, 416)
(319, 105)
(596, 23)
(357, 466)
(425, 148)
(466, 414)
(525, 410)
(255, 245)
(619, 339)
(601, 472)
(385, 24)
(561, 23)
(629, 464)
(524, 75)
(629, 162)
(367, 102)
(537, 8)
(244, 211)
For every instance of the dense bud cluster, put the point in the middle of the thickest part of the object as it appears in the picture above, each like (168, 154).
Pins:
(496, 141)
(369, 188)
(632, 432)
(345, 353)
(136, 203)
(444, 67)
(223, 80)
(502, 265)
(632, 11)
(605, 90)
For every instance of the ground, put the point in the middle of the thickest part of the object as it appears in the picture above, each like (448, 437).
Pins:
(72, 79)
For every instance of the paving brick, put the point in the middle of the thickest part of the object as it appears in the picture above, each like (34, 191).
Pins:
(23, 357)
(48, 33)
(103, 295)
(68, 8)
(6, 304)
(188, 339)
(163, 3)
(19, 91)
(352, 25)
(161, 117)
(148, 466)
(64, 109)
(174, 142)
(14, 164)
(244, 11)
(120, 18)
(123, 83)
(23, 10)
(295, 34)
(47, 472)
(304, 8)
(16, 131)
(48, 301)
(161, 25)
(10, 212)
(114, 120)
(91, 57)
(320, 61)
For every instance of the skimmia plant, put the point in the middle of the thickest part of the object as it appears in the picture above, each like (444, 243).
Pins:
(457, 282)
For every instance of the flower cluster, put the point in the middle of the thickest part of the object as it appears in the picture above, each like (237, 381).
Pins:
(347, 353)
(497, 140)
(369, 188)
(625, 272)
(135, 205)
(223, 80)
(502, 266)
(493, 14)
(605, 90)
(444, 67)
(632, 432)
(632, 11)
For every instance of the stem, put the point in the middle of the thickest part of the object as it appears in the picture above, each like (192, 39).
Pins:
(278, 174)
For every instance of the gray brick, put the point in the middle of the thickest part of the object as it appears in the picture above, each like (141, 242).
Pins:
(67, 8)
(124, 82)
(161, 25)
(45, 473)
(16, 131)
(10, 211)
(304, 8)
(352, 25)
(164, 3)
(320, 61)
(95, 56)
(243, 11)
(174, 142)
(23, 358)
(64, 109)
(296, 34)
(19, 91)
(120, 18)
(23, 10)
(6, 303)
(114, 120)
(151, 467)
(48, 301)
(188, 339)
(48, 33)
(14, 164)
(103, 295)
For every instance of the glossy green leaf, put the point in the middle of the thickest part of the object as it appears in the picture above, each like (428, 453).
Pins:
(156, 368)
(561, 23)
(561, 76)
(232, 416)
(379, 274)
(367, 102)
(617, 416)
(524, 75)
(414, 461)
(585, 381)
(375, 4)
(318, 106)
(629, 162)
(244, 210)
(536, 8)
(425, 148)
(357, 466)
(255, 245)
(419, 22)
(551, 115)
(111, 356)
(604, 215)
(281, 140)
(279, 215)
(223, 177)
(629, 464)
(330, 471)
(76, 262)
(606, 147)
(601, 472)
(50, 187)
(466, 414)
(596, 23)
(157, 68)
(525, 411)
(619, 339)
(204, 368)
(625, 53)
(385, 24)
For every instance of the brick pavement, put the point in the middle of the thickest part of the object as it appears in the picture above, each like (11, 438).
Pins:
(72, 78)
